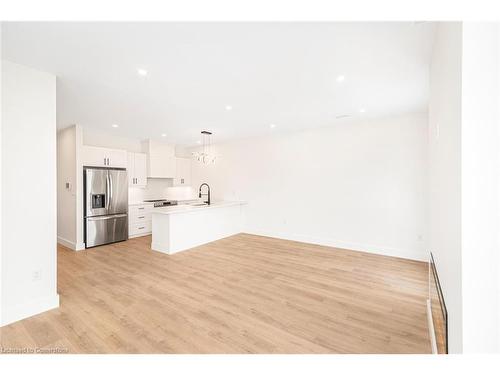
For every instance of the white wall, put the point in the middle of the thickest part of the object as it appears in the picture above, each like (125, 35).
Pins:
(480, 186)
(358, 185)
(464, 167)
(70, 200)
(1, 167)
(29, 256)
(498, 189)
(444, 171)
(66, 197)
(94, 137)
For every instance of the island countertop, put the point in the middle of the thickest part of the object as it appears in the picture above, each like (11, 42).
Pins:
(185, 208)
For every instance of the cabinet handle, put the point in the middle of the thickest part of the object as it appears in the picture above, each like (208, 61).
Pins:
(104, 161)
(141, 208)
(108, 161)
(141, 227)
(140, 217)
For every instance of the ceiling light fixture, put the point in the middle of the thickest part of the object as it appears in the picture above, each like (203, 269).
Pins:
(163, 135)
(205, 156)
(228, 108)
(272, 126)
(114, 125)
(142, 72)
(362, 110)
(340, 78)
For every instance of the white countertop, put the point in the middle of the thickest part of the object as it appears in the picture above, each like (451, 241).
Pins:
(183, 208)
(151, 203)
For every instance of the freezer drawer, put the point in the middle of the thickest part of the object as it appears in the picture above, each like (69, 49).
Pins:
(101, 230)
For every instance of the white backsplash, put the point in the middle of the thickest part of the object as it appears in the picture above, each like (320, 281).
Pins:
(159, 188)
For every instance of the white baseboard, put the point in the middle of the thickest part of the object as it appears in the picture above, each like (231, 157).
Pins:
(11, 314)
(430, 324)
(70, 244)
(367, 248)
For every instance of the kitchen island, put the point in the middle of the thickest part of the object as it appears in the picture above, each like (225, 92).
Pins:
(182, 227)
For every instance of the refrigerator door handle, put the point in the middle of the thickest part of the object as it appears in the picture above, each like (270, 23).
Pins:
(110, 187)
(108, 197)
(106, 217)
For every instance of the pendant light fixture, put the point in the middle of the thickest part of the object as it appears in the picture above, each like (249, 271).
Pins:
(205, 156)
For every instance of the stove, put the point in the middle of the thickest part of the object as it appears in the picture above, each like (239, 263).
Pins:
(161, 202)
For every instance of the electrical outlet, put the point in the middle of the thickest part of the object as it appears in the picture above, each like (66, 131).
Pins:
(37, 275)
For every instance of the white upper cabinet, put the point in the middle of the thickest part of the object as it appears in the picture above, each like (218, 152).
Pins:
(104, 157)
(141, 169)
(183, 172)
(137, 169)
(160, 159)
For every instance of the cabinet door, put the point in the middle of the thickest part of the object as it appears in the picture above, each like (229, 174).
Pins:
(131, 169)
(141, 172)
(104, 157)
(94, 156)
(117, 158)
(186, 174)
(183, 172)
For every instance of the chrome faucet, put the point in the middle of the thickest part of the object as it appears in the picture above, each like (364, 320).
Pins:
(207, 194)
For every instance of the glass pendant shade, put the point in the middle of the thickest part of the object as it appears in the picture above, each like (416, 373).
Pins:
(205, 156)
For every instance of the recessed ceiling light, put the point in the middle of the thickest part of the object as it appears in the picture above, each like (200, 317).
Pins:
(198, 142)
(228, 108)
(163, 135)
(340, 78)
(142, 72)
(272, 126)
(362, 110)
(114, 126)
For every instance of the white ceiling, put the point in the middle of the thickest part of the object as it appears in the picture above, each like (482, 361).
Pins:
(280, 73)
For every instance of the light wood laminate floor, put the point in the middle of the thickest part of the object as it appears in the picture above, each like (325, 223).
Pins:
(242, 294)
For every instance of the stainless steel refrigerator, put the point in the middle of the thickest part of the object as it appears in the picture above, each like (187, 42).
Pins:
(106, 204)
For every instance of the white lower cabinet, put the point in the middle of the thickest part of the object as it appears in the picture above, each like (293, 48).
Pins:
(139, 220)
(139, 229)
